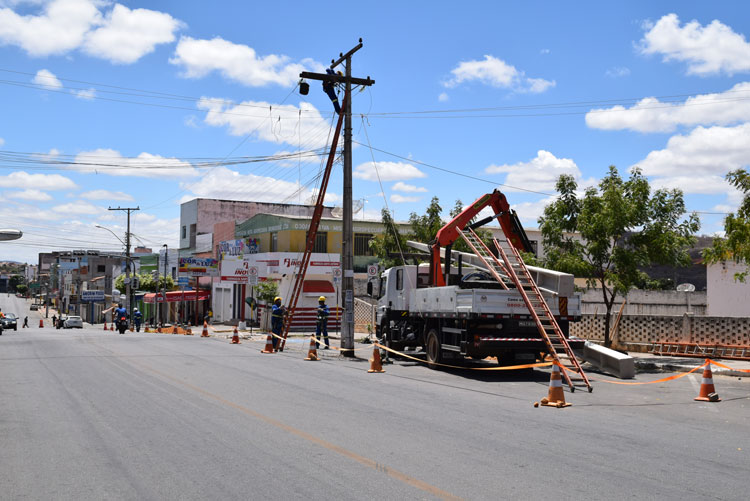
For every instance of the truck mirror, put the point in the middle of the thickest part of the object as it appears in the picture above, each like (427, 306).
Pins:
(369, 289)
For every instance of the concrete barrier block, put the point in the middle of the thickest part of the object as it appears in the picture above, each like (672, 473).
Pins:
(618, 364)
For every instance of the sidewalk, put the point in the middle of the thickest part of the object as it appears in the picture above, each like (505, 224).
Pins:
(648, 362)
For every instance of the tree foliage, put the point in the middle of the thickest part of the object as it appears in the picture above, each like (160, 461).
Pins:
(146, 282)
(613, 230)
(425, 227)
(389, 245)
(266, 291)
(736, 244)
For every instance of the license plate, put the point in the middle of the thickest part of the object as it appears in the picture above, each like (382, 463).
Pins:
(526, 323)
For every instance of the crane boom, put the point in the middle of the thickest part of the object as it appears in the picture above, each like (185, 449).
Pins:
(451, 231)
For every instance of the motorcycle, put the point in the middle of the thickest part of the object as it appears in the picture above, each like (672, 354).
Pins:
(122, 325)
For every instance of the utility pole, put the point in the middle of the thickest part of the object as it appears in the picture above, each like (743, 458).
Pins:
(347, 236)
(129, 298)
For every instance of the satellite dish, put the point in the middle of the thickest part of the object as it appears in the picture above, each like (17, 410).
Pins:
(686, 288)
(337, 212)
(357, 206)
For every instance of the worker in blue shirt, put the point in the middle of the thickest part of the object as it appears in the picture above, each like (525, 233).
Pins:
(329, 88)
(137, 318)
(277, 320)
(322, 322)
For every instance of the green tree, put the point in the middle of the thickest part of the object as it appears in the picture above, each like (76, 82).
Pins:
(613, 230)
(425, 227)
(389, 245)
(22, 288)
(736, 244)
(147, 283)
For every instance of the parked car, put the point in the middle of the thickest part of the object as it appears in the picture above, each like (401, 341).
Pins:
(10, 321)
(34, 307)
(73, 321)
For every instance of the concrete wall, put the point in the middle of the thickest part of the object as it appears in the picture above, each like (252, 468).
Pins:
(643, 302)
(648, 329)
(727, 297)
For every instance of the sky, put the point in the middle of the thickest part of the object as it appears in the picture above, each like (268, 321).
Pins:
(150, 104)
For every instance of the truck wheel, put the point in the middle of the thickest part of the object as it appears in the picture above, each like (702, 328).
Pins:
(434, 352)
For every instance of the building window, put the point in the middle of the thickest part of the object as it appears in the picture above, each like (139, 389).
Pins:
(362, 244)
(400, 279)
(274, 242)
(100, 268)
(321, 241)
(184, 232)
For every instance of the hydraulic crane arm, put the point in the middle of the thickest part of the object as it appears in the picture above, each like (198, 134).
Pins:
(451, 232)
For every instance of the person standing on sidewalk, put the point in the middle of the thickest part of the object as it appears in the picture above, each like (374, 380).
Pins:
(322, 322)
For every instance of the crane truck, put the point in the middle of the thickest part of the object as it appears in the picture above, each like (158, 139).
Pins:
(480, 308)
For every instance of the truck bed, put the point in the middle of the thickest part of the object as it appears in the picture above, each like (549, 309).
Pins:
(452, 300)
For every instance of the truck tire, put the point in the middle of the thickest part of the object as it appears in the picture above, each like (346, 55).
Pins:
(433, 350)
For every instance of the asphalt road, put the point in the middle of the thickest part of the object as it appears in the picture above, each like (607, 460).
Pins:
(88, 414)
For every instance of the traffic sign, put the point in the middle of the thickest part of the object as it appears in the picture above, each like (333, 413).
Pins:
(336, 275)
(183, 280)
(252, 275)
(372, 270)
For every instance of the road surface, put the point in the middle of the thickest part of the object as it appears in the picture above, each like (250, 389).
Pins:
(88, 414)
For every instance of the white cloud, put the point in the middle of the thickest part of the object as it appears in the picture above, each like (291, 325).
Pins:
(496, 73)
(106, 195)
(25, 181)
(538, 174)
(697, 162)
(60, 28)
(79, 208)
(269, 122)
(227, 184)
(86, 94)
(2, 141)
(111, 162)
(529, 212)
(710, 49)
(400, 199)
(387, 171)
(617, 72)
(544, 51)
(652, 115)
(408, 188)
(237, 62)
(443, 97)
(121, 35)
(31, 194)
(126, 35)
(47, 79)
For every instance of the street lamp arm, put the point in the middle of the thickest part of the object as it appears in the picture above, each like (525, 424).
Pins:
(112, 232)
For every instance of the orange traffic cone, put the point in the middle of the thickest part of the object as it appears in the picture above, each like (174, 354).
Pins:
(41, 323)
(113, 325)
(375, 364)
(105, 326)
(235, 337)
(312, 353)
(205, 329)
(174, 330)
(131, 328)
(146, 329)
(269, 345)
(708, 392)
(555, 397)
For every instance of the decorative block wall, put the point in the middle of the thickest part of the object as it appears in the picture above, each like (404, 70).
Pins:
(672, 328)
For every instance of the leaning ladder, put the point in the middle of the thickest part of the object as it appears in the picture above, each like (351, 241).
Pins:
(495, 267)
(299, 279)
(548, 327)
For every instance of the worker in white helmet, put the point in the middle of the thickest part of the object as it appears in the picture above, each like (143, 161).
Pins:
(322, 322)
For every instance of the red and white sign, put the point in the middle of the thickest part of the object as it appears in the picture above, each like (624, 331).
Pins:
(235, 270)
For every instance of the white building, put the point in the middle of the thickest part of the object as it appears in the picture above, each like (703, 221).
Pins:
(727, 297)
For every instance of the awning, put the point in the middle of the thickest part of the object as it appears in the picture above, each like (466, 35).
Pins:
(175, 296)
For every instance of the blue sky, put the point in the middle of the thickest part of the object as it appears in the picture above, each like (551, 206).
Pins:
(147, 104)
